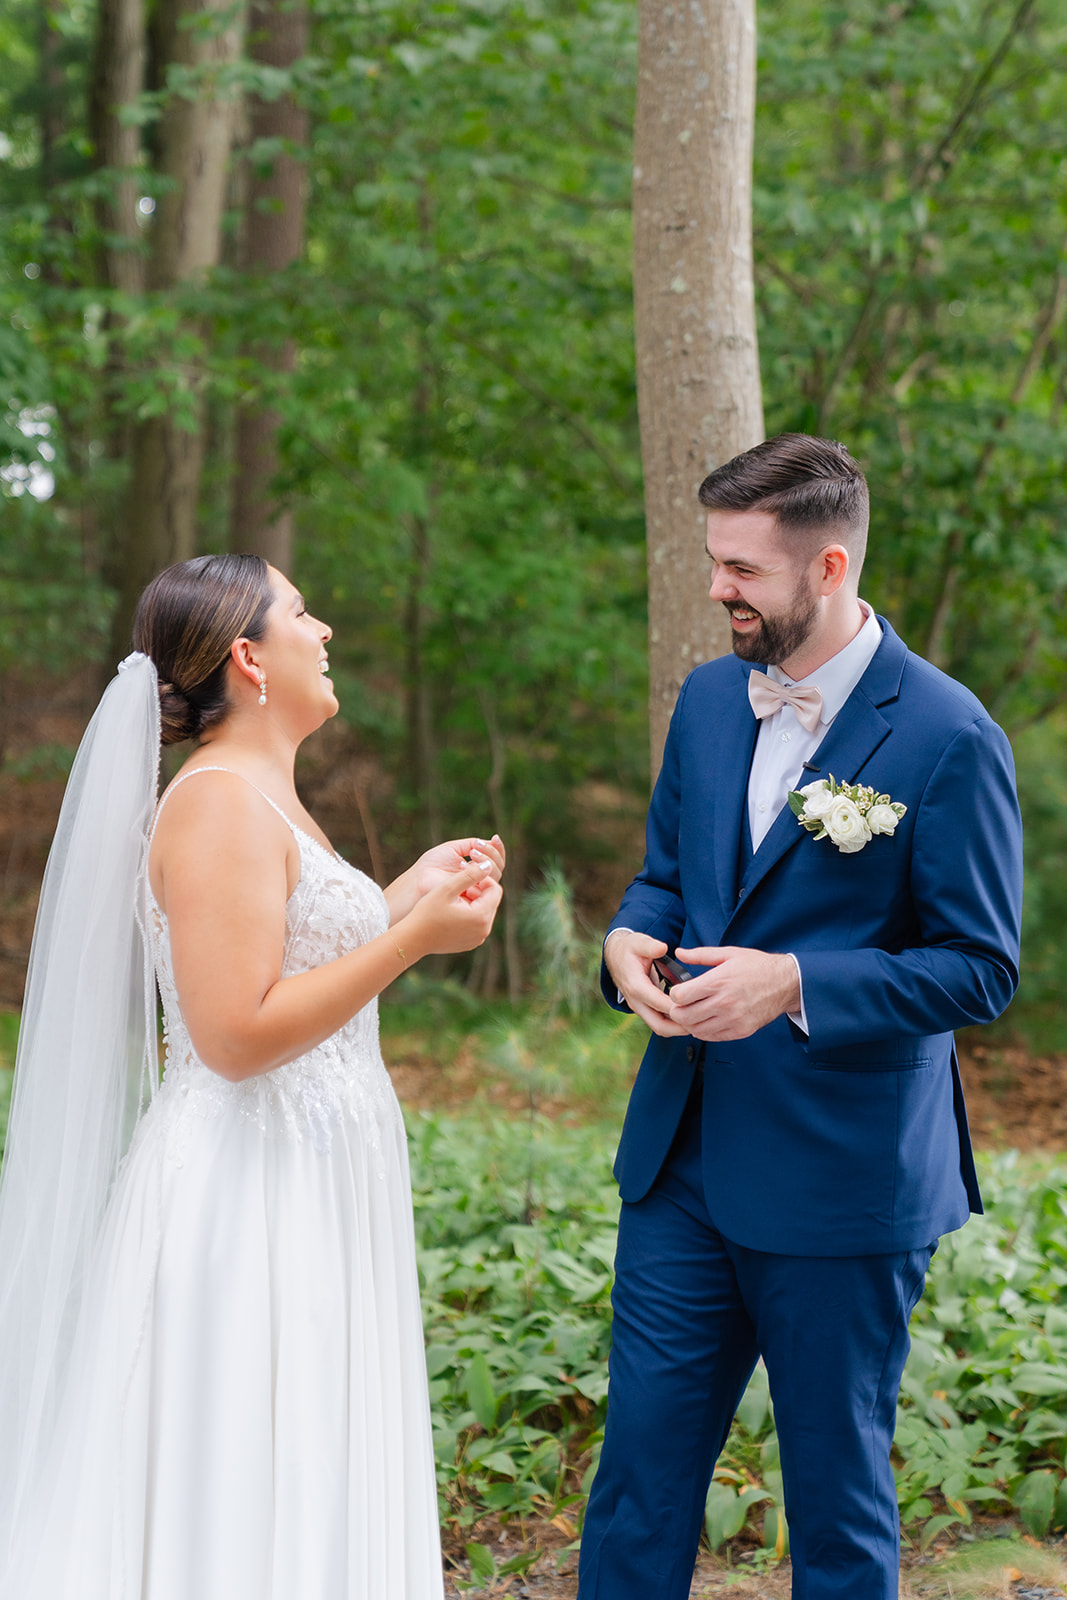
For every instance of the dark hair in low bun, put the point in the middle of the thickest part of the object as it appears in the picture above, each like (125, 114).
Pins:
(187, 619)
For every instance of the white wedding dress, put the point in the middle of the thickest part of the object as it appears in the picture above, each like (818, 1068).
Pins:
(247, 1416)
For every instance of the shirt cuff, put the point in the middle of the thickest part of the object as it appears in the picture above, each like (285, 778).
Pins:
(620, 997)
(799, 1019)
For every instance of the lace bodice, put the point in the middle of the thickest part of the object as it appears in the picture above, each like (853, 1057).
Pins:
(333, 909)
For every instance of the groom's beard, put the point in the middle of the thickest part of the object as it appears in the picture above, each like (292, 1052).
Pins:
(778, 637)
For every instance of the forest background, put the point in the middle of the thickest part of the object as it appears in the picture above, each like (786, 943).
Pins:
(352, 282)
(433, 379)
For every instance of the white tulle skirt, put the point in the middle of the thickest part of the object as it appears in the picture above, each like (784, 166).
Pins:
(247, 1417)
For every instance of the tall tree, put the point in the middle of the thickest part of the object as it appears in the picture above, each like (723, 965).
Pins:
(199, 41)
(698, 381)
(275, 207)
(116, 82)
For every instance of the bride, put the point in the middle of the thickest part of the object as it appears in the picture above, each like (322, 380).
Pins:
(212, 1384)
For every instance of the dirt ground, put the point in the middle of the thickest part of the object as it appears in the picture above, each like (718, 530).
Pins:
(1000, 1567)
(1004, 1567)
(1014, 1100)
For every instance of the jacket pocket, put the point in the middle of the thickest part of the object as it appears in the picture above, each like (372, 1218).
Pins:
(874, 1063)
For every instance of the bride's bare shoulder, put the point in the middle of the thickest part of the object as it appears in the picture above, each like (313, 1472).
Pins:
(213, 823)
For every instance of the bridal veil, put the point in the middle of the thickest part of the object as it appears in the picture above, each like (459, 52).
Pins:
(85, 1067)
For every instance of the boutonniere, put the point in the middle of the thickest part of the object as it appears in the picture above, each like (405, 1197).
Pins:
(849, 814)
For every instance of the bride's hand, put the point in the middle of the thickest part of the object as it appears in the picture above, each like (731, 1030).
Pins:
(441, 864)
(456, 914)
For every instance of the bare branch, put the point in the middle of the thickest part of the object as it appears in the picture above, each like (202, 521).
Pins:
(931, 169)
(583, 201)
(551, 403)
(936, 650)
(928, 171)
(843, 364)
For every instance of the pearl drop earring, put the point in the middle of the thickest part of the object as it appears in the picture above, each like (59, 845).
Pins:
(262, 687)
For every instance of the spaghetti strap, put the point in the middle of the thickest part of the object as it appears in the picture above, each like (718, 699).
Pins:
(181, 778)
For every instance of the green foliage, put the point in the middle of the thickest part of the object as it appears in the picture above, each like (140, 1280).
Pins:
(459, 435)
(515, 1301)
(1041, 759)
(43, 762)
(584, 1061)
(9, 1033)
(516, 1238)
(568, 960)
(911, 212)
(8, 1044)
(6, 1080)
(515, 1224)
(471, 315)
(486, 1570)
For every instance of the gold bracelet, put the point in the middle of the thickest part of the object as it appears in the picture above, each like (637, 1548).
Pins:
(403, 958)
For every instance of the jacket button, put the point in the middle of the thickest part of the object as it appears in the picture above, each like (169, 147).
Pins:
(690, 1054)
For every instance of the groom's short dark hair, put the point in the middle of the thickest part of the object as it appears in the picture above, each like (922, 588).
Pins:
(812, 486)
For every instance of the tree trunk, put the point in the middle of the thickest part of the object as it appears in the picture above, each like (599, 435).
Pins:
(52, 100)
(57, 161)
(421, 744)
(195, 138)
(273, 239)
(117, 80)
(698, 383)
(421, 741)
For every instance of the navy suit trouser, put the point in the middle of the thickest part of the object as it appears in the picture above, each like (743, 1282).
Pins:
(692, 1313)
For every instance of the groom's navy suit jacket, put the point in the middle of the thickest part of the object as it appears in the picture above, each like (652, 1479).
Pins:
(853, 1140)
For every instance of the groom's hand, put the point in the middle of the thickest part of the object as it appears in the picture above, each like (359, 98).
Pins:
(744, 990)
(629, 957)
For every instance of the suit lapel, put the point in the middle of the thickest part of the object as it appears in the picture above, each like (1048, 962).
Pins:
(851, 740)
(732, 791)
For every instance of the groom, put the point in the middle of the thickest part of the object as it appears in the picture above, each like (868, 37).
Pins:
(796, 1140)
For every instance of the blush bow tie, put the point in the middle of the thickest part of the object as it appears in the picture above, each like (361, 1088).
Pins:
(766, 696)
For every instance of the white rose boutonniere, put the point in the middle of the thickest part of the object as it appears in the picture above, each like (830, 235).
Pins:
(883, 818)
(846, 825)
(848, 814)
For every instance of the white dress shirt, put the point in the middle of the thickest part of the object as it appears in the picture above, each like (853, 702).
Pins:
(783, 744)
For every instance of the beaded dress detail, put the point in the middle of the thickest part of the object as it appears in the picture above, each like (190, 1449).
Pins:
(248, 1414)
(333, 909)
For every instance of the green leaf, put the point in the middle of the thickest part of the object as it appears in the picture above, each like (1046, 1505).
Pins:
(1038, 1377)
(481, 1395)
(1035, 1501)
(755, 1402)
(520, 1563)
(932, 1528)
(499, 1461)
(1059, 1509)
(725, 1511)
(775, 1532)
(724, 1514)
(483, 1563)
(438, 1357)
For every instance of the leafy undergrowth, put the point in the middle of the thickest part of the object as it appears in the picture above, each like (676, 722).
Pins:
(516, 1228)
(516, 1233)
(445, 1049)
(9, 1032)
(994, 1567)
